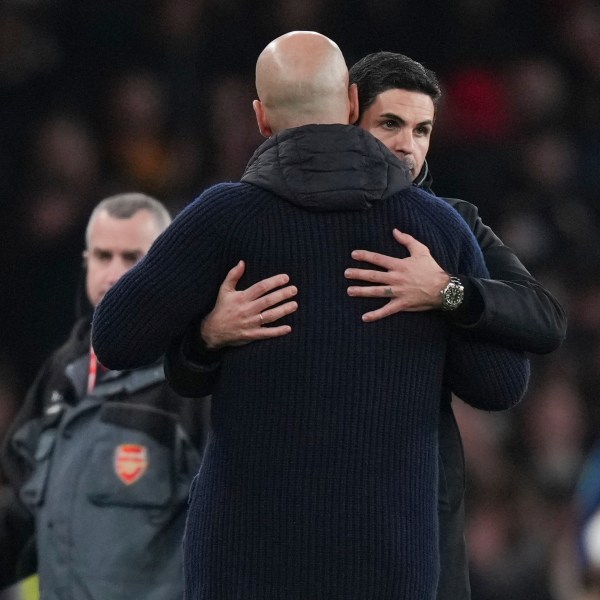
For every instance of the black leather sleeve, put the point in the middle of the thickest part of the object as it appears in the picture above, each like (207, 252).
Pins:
(511, 307)
(191, 371)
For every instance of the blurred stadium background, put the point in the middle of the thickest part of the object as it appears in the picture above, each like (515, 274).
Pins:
(155, 96)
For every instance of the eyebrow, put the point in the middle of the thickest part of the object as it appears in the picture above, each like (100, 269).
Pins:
(401, 120)
(96, 250)
(134, 253)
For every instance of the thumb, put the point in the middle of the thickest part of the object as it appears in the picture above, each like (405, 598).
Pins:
(412, 245)
(233, 277)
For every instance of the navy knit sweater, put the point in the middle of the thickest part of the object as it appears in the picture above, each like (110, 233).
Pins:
(320, 479)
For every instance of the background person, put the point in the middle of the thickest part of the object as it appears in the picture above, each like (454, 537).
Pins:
(103, 459)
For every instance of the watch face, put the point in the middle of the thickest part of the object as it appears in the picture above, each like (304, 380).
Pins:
(452, 295)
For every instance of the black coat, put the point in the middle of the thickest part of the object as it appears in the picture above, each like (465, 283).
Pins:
(511, 308)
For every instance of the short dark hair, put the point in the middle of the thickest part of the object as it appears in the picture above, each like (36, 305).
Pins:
(382, 71)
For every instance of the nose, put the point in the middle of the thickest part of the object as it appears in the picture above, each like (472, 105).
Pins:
(114, 271)
(403, 142)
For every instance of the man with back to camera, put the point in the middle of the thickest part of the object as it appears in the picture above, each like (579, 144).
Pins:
(103, 459)
(397, 102)
(321, 474)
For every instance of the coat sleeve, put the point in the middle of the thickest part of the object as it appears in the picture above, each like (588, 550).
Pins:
(514, 309)
(192, 372)
(484, 374)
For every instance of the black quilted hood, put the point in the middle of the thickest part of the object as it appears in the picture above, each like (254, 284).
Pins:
(327, 168)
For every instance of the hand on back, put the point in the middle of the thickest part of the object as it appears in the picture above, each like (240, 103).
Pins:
(412, 284)
(239, 317)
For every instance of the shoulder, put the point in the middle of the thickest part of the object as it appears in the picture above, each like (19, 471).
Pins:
(76, 345)
(51, 380)
(223, 199)
(218, 195)
(214, 211)
(441, 228)
(468, 211)
(438, 211)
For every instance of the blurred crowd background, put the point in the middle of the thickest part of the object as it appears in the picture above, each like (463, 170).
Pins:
(155, 96)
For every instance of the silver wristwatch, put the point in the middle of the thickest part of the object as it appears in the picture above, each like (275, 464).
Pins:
(453, 294)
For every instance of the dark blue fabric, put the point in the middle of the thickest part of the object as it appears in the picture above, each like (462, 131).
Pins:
(321, 475)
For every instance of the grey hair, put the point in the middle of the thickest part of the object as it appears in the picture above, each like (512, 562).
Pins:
(124, 206)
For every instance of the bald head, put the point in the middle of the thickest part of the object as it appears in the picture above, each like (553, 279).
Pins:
(302, 78)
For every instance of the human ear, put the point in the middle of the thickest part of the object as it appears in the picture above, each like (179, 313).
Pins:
(353, 100)
(262, 119)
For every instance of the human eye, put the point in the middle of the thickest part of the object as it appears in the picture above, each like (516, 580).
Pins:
(423, 130)
(389, 124)
(132, 257)
(102, 255)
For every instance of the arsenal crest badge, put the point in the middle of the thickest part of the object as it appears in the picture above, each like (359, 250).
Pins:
(131, 462)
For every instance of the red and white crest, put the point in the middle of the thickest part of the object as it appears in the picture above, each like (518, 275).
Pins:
(131, 462)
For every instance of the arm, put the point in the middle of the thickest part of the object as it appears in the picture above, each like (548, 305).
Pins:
(485, 375)
(510, 307)
(190, 369)
(517, 310)
(192, 361)
(179, 277)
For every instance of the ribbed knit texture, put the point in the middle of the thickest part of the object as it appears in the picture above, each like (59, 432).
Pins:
(320, 480)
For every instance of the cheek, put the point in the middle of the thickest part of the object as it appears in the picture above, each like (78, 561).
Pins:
(91, 286)
(423, 146)
(385, 137)
(94, 283)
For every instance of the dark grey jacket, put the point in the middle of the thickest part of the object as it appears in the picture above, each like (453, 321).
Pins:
(106, 477)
